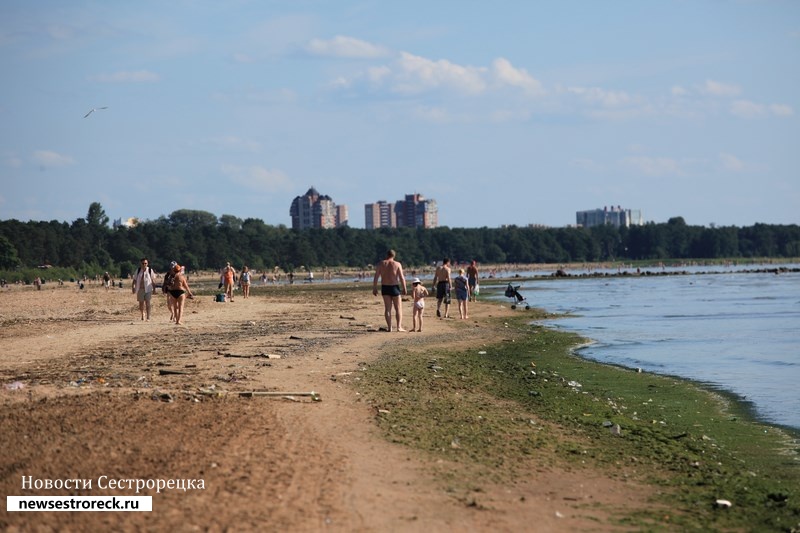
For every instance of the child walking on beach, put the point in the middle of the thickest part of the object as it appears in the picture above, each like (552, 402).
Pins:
(418, 292)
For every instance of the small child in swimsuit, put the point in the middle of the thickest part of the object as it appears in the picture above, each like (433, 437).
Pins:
(418, 292)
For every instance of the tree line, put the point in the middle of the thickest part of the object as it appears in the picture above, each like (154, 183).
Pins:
(202, 241)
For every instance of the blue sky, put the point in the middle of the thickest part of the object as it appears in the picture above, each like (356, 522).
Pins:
(508, 112)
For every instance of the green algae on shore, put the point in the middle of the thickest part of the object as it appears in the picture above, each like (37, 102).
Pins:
(528, 400)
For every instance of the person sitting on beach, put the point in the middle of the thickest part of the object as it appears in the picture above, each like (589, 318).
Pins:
(418, 292)
(179, 290)
(390, 272)
(462, 294)
(442, 282)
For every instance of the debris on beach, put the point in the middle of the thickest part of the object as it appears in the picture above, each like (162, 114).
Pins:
(15, 385)
(162, 396)
(240, 356)
(212, 391)
(723, 504)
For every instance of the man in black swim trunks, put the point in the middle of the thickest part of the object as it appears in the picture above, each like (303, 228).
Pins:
(393, 285)
(442, 281)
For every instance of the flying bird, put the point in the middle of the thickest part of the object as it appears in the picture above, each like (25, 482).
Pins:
(93, 110)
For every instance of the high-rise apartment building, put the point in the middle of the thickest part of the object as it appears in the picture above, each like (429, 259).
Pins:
(379, 215)
(313, 210)
(614, 216)
(416, 212)
(341, 215)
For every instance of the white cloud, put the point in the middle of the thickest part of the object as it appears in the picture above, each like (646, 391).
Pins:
(716, 88)
(257, 177)
(748, 109)
(50, 159)
(341, 82)
(242, 57)
(379, 74)
(506, 74)
(781, 110)
(596, 95)
(412, 74)
(418, 74)
(11, 160)
(138, 76)
(654, 166)
(348, 47)
(677, 90)
(731, 163)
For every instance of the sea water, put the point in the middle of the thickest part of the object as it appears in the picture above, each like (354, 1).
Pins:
(738, 332)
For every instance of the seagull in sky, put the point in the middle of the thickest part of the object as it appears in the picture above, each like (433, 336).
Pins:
(93, 110)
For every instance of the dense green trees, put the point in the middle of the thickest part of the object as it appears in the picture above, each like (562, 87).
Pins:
(201, 240)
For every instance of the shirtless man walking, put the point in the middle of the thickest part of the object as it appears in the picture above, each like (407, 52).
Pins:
(393, 285)
(442, 281)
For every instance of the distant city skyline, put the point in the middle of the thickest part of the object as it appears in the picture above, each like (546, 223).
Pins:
(520, 115)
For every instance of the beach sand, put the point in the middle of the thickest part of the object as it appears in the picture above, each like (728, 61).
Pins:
(105, 395)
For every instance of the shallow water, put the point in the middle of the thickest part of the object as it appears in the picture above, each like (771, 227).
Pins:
(738, 332)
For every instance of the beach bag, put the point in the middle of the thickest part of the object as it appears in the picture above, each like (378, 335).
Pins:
(167, 282)
(477, 290)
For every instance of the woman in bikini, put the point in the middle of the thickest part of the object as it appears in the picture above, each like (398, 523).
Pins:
(228, 275)
(179, 290)
(244, 281)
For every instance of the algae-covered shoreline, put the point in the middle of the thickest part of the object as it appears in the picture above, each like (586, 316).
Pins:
(526, 401)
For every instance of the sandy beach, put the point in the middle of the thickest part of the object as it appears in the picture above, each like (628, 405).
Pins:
(101, 393)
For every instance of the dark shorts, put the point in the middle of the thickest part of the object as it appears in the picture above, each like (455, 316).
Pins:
(443, 291)
(391, 290)
(473, 282)
(176, 293)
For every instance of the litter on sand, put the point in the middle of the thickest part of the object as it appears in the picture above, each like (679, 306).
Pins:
(315, 397)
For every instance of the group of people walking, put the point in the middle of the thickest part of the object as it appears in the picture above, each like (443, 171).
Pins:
(389, 272)
(228, 278)
(174, 285)
(393, 286)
